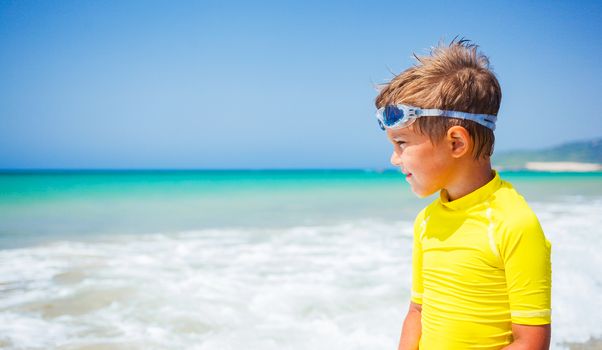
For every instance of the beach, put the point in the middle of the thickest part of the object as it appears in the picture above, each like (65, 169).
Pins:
(592, 344)
(262, 259)
(563, 166)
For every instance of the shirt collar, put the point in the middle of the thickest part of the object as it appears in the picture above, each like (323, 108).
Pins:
(477, 196)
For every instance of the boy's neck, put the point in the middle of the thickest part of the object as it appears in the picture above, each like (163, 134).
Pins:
(469, 177)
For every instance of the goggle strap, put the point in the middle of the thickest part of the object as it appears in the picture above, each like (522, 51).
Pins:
(487, 120)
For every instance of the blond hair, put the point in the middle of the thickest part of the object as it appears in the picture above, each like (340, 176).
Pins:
(455, 77)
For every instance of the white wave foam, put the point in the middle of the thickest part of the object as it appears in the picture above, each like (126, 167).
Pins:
(304, 287)
(575, 229)
(319, 287)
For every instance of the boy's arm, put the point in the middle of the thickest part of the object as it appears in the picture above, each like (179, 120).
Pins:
(530, 337)
(526, 254)
(412, 325)
(412, 328)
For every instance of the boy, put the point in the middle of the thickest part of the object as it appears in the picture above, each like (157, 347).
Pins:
(481, 264)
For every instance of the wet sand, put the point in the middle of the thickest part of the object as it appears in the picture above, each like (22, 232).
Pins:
(592, 344)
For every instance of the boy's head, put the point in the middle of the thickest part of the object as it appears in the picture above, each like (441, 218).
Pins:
(452, 78)
(456, 78)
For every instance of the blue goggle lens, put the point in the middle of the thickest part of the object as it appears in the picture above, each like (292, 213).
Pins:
(392, 115)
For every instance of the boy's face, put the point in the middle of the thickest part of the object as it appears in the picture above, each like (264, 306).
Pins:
(427, 166)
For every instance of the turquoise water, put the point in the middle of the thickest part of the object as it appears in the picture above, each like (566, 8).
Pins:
(313, 259)
(63, 204)
(46, 205)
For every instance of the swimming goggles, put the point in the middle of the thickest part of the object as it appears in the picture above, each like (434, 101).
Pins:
(401, 116)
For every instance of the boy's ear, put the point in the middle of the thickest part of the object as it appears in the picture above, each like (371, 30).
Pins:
(459, 141)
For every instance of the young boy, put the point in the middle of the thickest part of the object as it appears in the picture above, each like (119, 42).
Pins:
(481, 263)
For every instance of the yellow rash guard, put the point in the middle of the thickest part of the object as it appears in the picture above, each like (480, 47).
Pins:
(480, 263)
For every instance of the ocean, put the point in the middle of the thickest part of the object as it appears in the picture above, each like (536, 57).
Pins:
(275, 259)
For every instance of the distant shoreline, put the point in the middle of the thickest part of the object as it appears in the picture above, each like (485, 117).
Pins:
(530, 167)
(563, 166)
(579, 156)
(553, 167)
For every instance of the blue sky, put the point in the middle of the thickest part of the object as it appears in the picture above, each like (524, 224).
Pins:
(270, 84)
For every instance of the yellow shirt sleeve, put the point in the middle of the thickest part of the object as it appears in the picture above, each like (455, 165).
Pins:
(417, 286)
(525, 252)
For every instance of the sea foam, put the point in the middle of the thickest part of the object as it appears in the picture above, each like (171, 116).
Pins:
(343, 286)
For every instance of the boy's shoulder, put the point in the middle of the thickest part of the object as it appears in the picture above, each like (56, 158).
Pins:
(511, 208)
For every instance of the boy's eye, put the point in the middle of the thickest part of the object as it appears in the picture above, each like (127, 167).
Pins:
(400, 143)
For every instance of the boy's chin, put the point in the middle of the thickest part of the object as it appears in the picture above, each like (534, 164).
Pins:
(424, 193)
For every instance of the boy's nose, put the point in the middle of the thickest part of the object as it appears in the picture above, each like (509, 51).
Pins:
(395, 159)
